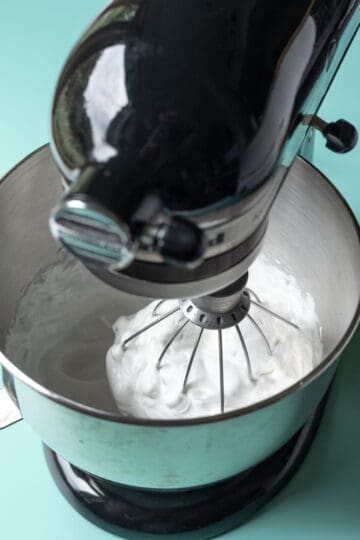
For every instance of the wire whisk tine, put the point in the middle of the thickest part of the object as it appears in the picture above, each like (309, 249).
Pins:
(170, 342)
(254, 294)
(193, 354)
(158, 305)
(276, 315)
(221, 370)
(246, 352)
(210, 317)
(257, 326)
(148, 326)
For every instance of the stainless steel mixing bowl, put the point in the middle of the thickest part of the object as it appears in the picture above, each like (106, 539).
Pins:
(62, 392)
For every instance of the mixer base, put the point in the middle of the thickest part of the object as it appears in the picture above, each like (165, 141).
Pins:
(196, 514)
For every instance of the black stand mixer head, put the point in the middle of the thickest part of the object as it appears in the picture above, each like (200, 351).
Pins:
(174, 125)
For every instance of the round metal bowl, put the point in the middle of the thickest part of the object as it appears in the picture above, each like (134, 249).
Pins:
(64, 396)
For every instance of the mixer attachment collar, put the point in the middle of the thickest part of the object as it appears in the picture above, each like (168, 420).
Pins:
(199, 312)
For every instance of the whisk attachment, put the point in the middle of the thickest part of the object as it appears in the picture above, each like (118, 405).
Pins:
(217, 312)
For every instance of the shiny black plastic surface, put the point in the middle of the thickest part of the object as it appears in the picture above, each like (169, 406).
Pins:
(341, 136)
(190, 101)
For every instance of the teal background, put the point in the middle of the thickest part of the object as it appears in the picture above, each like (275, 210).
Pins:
(323, 500)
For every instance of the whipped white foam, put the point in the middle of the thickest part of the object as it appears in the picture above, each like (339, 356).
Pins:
(141, 390)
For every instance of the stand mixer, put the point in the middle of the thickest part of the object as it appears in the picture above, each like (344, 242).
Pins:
(176, 129)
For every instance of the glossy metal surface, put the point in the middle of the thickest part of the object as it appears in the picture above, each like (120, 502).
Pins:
(171, 108)
(66, 399)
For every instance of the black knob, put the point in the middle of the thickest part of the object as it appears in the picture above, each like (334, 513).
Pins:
(180, 242)
(341, 136)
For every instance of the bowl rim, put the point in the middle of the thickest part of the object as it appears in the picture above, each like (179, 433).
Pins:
(165, 423)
